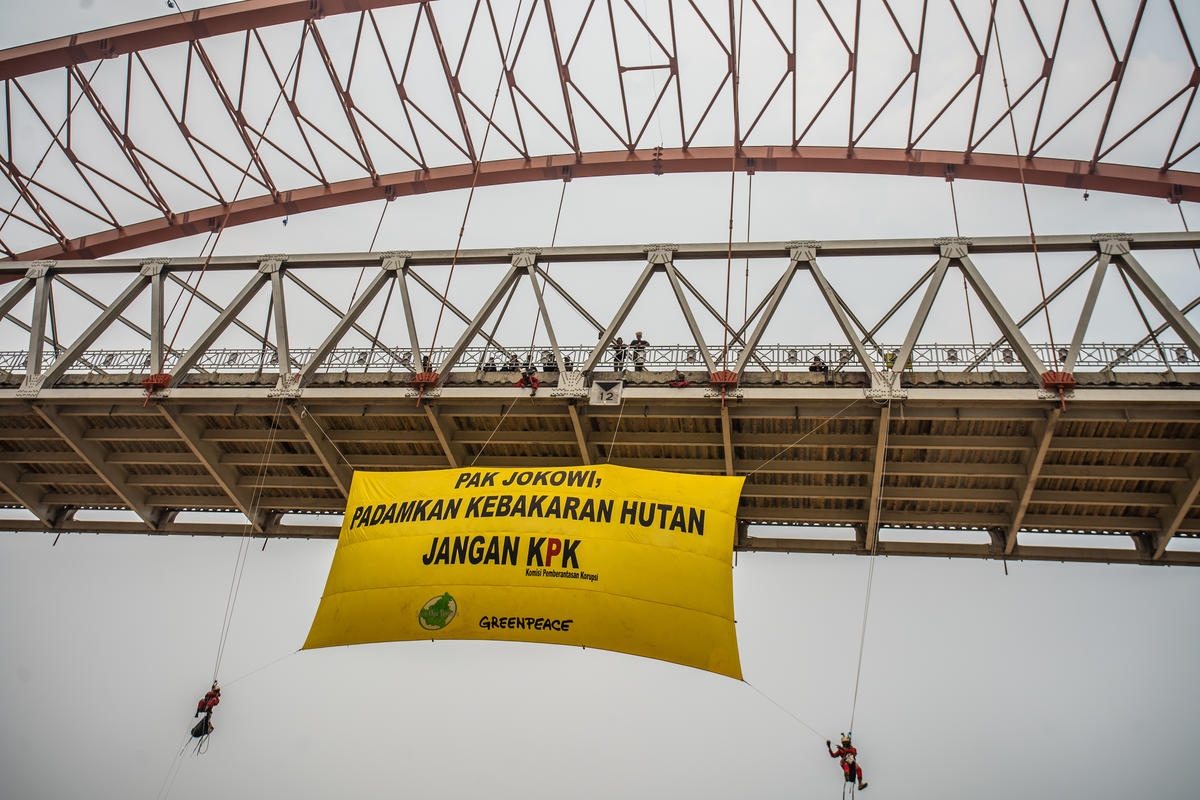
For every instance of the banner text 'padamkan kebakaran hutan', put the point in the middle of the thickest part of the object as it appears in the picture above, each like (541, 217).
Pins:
(610, 557)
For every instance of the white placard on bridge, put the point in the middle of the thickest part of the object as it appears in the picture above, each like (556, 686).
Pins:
(606, 393)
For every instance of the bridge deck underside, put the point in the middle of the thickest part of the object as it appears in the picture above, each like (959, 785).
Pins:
(1118, 461)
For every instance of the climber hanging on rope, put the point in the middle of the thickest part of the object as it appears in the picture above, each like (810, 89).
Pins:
(206, 705)
(849, 756)
(209, 701)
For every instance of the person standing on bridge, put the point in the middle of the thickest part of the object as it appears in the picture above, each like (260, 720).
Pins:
(849, 756)
(619, 355)
(639, 346)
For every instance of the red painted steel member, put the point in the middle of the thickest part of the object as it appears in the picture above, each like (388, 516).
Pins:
(849, 756)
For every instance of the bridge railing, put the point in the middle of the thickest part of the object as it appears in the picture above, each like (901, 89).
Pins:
(781, 357)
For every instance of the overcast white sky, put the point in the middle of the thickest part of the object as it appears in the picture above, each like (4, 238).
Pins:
(1055, 680)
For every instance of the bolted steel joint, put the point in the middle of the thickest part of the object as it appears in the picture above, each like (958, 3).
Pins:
(1113, 244)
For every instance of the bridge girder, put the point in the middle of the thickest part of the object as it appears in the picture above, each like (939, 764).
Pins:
(966, 438)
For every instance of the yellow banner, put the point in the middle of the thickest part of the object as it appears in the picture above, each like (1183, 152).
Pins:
(620, 559)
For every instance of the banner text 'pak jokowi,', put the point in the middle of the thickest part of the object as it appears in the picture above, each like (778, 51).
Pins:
(620, 559)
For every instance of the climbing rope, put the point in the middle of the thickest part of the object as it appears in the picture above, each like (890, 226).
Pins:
(492, 435)
(782, 708)
(616, 427)
(746, 285)
(239, 567)
(966, 294)
(370, 249)
(796, 443)
(735, 66)
(29, 178)
(173, 770)
(475, 172)
(537, 318)
(1024, 189)
(1179, 206)
(862, 636)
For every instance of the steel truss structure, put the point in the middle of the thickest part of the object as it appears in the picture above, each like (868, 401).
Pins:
(153, 127)
(868, 445)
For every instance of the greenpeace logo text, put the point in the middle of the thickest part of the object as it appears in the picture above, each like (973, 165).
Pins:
(525, 623)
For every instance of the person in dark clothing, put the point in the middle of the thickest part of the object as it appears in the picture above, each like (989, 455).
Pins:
(512, 365)
(619, 349)
(639, 346)
(818, 365)
(490, 366)
(849, 756)
(548, 362)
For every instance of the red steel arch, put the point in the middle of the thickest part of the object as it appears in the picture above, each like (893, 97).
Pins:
(878, 161)
(45, 213)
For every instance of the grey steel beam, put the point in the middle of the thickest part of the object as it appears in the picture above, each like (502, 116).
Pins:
(681, 298)
(93, 332)
(654, 259)
(918, 322)
(839, 313)
(745, 543)
(1003, 321)
(473, 327)
(346, 321)
(37, 327)
(528, 261)
(29, 497)
(1157, 330)
(95, 457)
(330, 457)
(1158, 298)
(727, 439)
(283, 354)
(875, 502)
(1033, 312)
(218, 326)
(320, 298)
(191, 433)
(772, 305)
(1067, 243)
(586, 449)
(951, 550)
(410, 319)
(443, 429)
(735, 336)
(215, 306)
(157, 320)
(452, 308)
(1042, 438)
(567, 296)
(23, 284)
(1184, 496)
(1085, 314)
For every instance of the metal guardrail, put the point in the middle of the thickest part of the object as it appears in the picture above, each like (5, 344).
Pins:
(782, 357)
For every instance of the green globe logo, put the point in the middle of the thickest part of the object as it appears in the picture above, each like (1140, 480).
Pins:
(437, 613)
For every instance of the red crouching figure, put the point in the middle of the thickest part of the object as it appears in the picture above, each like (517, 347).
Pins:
(209, 701)
(849, 756)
